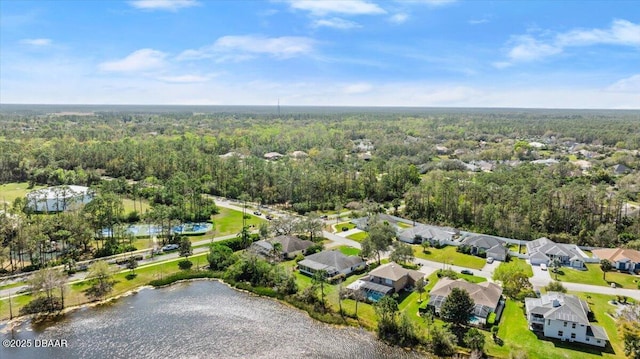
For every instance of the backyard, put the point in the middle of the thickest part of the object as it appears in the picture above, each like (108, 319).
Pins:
(449, 255)
(10, 191)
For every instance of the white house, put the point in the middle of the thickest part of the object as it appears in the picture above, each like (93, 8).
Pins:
(58, 198)
(622, 259)
(565, 317)
(543, 250)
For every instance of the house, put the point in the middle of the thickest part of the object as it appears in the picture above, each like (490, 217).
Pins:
(423, 232)
(386, 279)
(491, 246)
(543, 250)
(362, 223)
(333, 262)
(621, 258)
(620, 169)
(565, 317)
(273, 156)
(290, 246)
(487, 297)
(58, 198)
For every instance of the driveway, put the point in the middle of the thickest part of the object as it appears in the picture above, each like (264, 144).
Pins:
(489, 268)
(541, 277)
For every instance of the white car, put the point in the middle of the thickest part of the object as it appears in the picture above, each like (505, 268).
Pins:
(489, 260)
(543, 266)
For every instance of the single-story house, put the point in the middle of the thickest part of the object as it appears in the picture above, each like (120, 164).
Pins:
(621, 258)
(386, 279)
(486, 296)
(291, 246)
(362, 223)
(543, 250)
(565, 317)
(424, 232)
(492, 246)
(333, 262)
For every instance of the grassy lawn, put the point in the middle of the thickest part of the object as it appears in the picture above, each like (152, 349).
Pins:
(404, 225)
(514, 248)
(349, 251)
(10, 191)
(449, 255)
(521, 264)
(347, 225)
(358, 237)
(140, 205)
(593, 275)
(229, 221)
(517, 337)
(472, 278)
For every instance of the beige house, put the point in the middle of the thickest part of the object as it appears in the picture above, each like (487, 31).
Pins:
(386, 279)
(623, 259)
(487, 297)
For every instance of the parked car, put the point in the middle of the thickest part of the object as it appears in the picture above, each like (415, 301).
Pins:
(543, 266)
(268, 217)
(257, 213)
(466, 271)
(324, 216)
(170, 247)
(489, 260)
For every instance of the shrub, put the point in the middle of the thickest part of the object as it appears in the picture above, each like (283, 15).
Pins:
(41, 305)
(491, 319)
(299, 257)
(185, 264)
(183, 276)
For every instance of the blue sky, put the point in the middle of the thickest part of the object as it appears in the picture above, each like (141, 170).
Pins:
(552, 54)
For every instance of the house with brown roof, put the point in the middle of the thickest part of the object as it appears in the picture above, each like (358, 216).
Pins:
(487, 297)
(623, 259)
(386, 279)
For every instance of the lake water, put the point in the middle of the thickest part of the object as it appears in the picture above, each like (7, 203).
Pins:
(203, 319)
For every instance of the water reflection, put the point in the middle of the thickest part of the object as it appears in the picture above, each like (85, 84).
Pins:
(196, 320)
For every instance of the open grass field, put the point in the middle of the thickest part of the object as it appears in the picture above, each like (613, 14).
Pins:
(449, 255)
(229, 221)
(141, 206)
(594, 275)
(10, 191)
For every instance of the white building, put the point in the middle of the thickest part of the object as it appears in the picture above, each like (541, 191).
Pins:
(58, 198)
(565, 317)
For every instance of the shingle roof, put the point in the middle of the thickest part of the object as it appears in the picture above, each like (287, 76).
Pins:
(394, 272)
(426, 232)
(544, 246)
(482, 241)
(485, 293)
(597, 332)
(291, 243)
(617, 254)
(331, 260)
(559, 306)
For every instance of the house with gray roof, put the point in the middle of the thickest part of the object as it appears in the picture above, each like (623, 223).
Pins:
(332, 262)
(424, 232)
(543, 250)
(362, 223)
(290, 246)
(565, 317)
(386, 279)
(487, 297)
(490, 245)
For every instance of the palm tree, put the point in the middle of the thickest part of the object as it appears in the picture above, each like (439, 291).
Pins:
(555, 264)
(606, 266)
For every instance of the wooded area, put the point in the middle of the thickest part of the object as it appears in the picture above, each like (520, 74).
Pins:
(413, 161)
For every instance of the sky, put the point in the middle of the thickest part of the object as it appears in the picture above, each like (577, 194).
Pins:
(421, 53)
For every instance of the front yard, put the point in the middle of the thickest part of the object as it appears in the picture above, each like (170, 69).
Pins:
(229, 221)
(594, 276)
(449, 255)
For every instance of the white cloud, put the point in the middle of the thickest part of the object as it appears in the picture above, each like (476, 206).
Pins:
(399, 18)
(528, 48)
(336, 23)
(170, 5)
(324, 7)
(140, 60)
(36, 42)
(478, 21)
(357, 88)
(502, 64)
(184, 79)
(280, 47)
(629, 85)
(429, 2)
